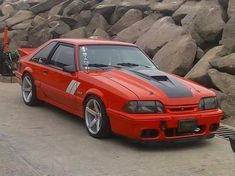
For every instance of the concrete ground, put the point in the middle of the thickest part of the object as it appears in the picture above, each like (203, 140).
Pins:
(46, 141)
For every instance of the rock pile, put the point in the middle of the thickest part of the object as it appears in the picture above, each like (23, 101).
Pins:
(191, 38)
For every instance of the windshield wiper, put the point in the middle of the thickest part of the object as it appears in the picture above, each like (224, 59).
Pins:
(128, 64)
(97, 65)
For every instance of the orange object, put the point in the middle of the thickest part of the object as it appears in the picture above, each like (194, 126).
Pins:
(25, 51)
(6, 40)
(180, 112)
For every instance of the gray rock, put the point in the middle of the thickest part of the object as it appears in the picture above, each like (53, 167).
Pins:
(231, 8)
(19, 17)
(199, 72)
(44, 6)
(228, 38)
(200, 53)
(37, 20)
(101, 34)
(167, 7)
(222, 81)
(69, 21)
(7, 10)
(131, 17)
(21, 5)
(40, 37)
(76, 33)
(225, 64)
(133, 32)
(177, 56)
(58, 9)
(227, 104)
(75, 6)
(83, 19)
(106, 10)
(194, 16)
(161, 32)
(2, 26)
(23, 26)
(98, 21)
(58, 28)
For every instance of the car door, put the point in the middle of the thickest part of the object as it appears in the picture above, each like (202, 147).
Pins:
(57, 84)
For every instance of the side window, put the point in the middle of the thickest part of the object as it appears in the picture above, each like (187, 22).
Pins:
(44, 52)
(63, 56)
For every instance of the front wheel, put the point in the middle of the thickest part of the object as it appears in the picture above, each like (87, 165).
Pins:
(29, 90)
(96, 119)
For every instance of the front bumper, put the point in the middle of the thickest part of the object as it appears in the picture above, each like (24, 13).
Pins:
(165, 125)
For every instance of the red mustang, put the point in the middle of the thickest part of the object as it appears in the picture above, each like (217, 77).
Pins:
(116, 88)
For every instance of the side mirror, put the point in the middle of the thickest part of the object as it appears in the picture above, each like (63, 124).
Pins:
(69, 69)
(42, 60)
(232, 142)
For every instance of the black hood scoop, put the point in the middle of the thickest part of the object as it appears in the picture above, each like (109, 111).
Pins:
(171, 86)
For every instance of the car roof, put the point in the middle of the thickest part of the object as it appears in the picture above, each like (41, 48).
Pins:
(91, 42)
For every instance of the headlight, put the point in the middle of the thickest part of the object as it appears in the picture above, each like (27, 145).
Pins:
(208, 103)
(144, 107)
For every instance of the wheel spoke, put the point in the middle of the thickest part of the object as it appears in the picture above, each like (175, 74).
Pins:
(93, 122)
(29, 96)
(28, 81)
(98, 124)
(91, 111)
(27, 89)
(96, 106)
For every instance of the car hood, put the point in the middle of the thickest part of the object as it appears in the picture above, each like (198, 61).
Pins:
(153, 84)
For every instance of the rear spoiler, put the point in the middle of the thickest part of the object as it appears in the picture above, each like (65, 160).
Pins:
(25, 51)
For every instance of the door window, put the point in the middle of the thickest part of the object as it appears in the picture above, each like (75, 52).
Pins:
(63, 56)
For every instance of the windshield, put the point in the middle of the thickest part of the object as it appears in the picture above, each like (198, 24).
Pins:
(108, 56)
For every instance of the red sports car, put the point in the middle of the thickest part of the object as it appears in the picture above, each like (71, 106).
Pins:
(116, 88)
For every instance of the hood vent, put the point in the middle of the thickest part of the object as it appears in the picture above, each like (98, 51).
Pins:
(160, 78)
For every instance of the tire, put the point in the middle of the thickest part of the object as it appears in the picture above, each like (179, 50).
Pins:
(28, 90)
(96, 119)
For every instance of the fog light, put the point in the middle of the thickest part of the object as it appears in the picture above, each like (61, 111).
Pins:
(149, 133)
(214, 127)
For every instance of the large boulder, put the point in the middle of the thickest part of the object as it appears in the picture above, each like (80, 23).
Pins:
(105, 9)
(58, 9)
(133, 32)
(227, 104)
(19, 17)
(98, 21)
(76, 33)
(161, 32)
(7, 10)
(58, 28)
(131, 17)
(101, 34)
(222, 81)
(74, 7)
(199, 72)
(44, 6)
(23, 26)
(167, 7)
(37, 20)
(194, 16)
(83, 18)
(40, 36)
(225, 64)
(177, 56)
(228, 38)
(231, 8)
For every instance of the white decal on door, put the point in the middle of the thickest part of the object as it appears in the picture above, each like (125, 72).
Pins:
(72, 87)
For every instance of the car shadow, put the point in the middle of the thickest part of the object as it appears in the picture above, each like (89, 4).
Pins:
(130, 143)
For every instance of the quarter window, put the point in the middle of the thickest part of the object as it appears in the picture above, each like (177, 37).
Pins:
(44, 53)
(63, 56)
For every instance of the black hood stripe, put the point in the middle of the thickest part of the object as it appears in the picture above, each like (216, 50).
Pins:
(172, 87)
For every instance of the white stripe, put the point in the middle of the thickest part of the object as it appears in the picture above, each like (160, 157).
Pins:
(72, 87)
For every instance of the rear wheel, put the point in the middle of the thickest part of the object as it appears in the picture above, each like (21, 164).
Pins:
(96, 120)
(29, 90)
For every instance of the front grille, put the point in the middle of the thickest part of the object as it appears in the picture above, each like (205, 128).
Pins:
(172, 132)
(178, 109)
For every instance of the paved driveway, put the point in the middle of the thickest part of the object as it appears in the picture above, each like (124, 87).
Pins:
(44, 140)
